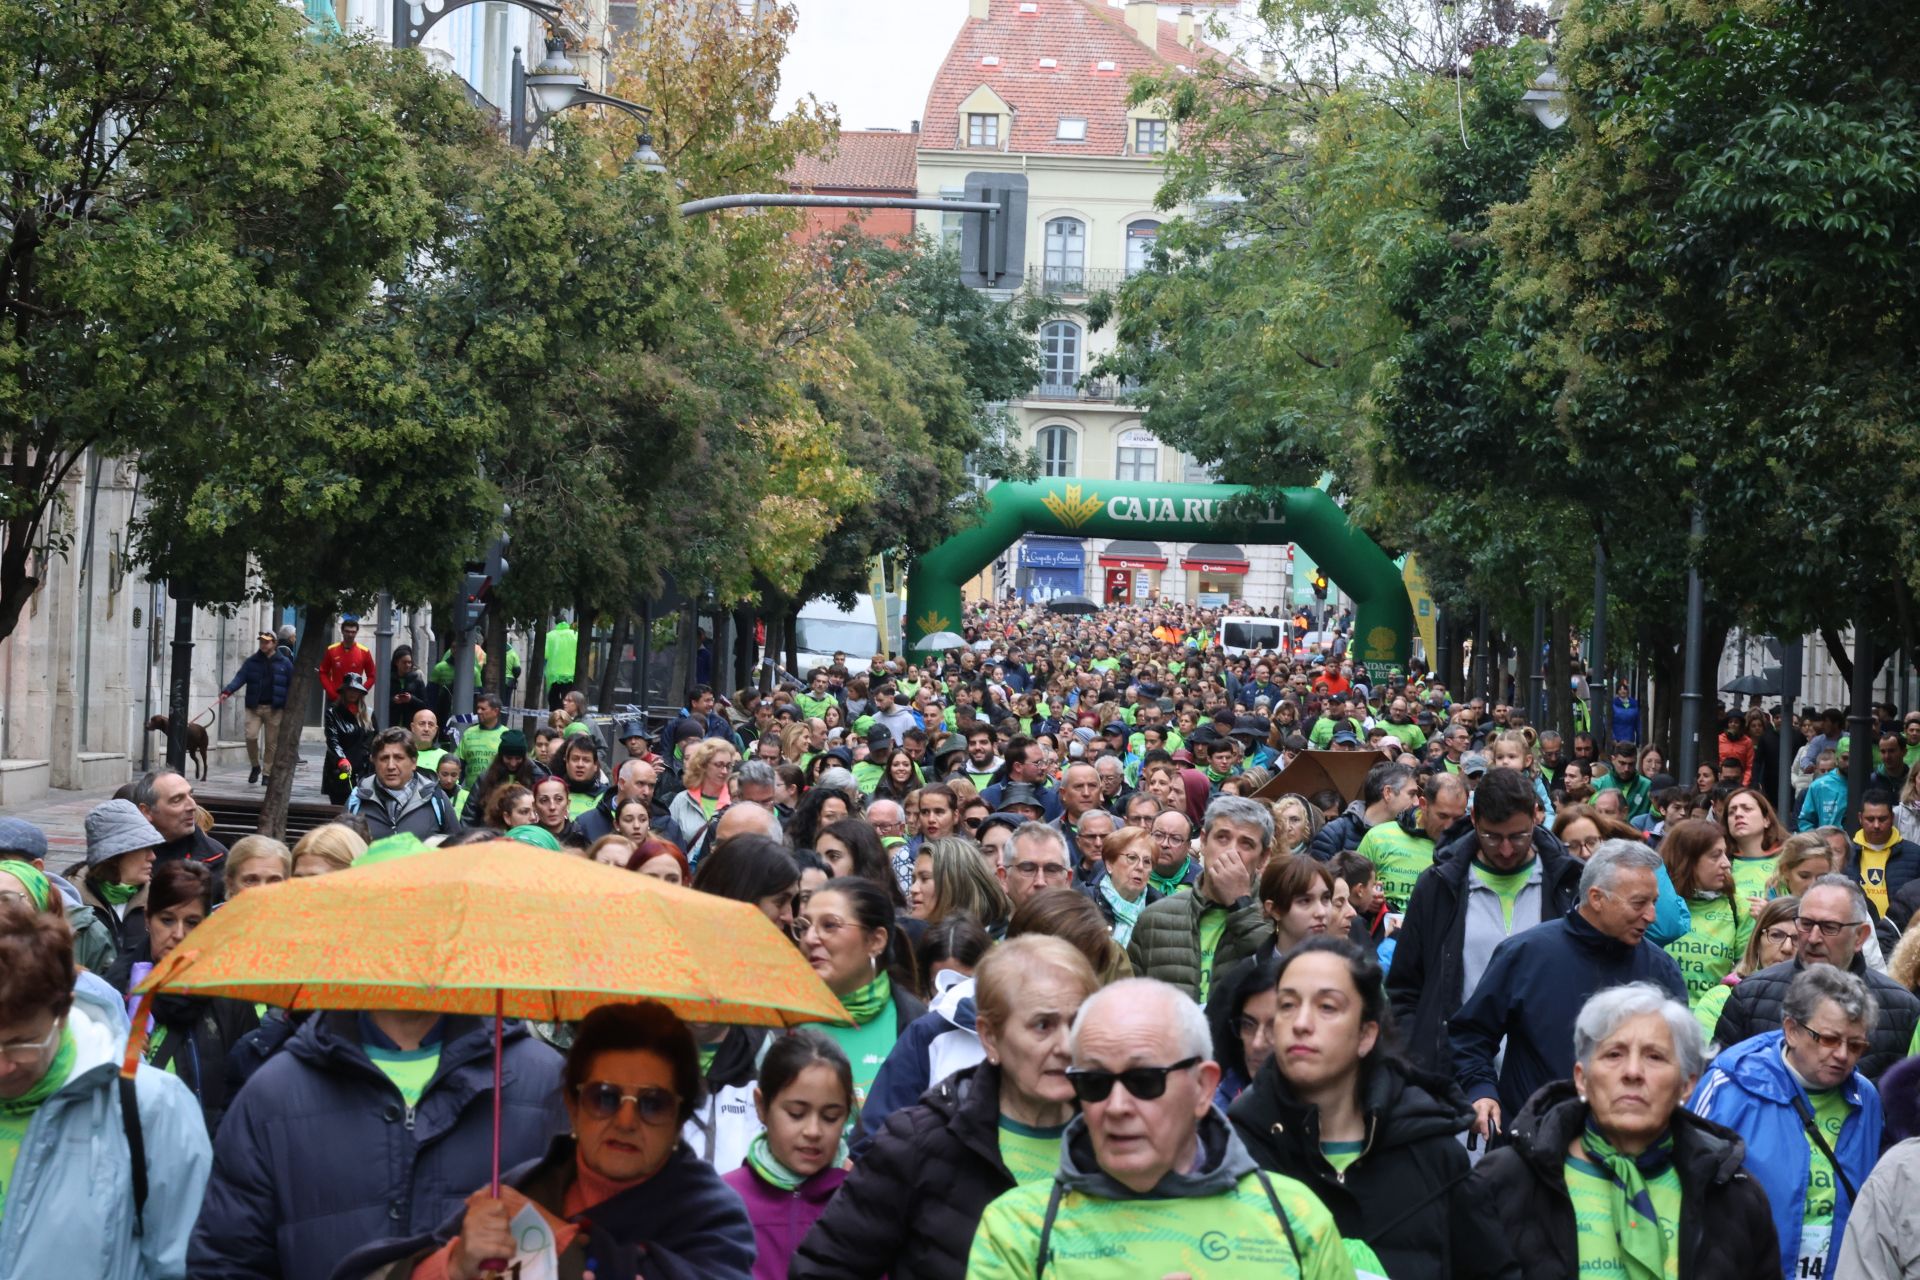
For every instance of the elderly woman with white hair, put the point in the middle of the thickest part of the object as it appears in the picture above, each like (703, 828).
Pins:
(1607, 1174)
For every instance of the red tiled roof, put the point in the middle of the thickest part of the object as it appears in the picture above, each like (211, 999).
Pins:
(1077, 36)
(862, 160)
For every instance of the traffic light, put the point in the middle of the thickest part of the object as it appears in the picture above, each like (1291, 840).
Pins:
(472, 604)
(993, 249)
(1319, 585)
(497, 562)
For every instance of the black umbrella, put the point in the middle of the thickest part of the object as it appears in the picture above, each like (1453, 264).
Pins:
(1072, 605)
(1762, 684)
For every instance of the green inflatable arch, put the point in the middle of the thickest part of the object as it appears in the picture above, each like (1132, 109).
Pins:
(1383, 615)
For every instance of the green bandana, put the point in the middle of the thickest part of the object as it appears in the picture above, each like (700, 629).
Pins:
(866, 1004)
(118, 895)
(31, 878)
(16, 1114)
(1170, 883)
(1125, 914)
(772, 1172)
(1642, 1246)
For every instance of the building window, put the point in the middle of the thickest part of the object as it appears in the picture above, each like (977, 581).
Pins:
(1071, 130)
(1140, 238)
(1149, 136)
(1057, 450)
(952, 223)
(983, 129)
(1137, 457)
(1066, 265)
(1059, 354)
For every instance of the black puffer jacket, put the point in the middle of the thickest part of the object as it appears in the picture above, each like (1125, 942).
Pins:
(191, 1036)
(1427, 979)
(1406, 1196)
(911, 1206)
(1726, 1229)
(1754, 1009)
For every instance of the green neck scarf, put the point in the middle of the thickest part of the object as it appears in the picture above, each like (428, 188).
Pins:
(1171, 882)
(1634, 1218)
(1127, 913)
(866, 1004)
(118, 895)
(773, 1173)
(49, 1084)
(31, 878)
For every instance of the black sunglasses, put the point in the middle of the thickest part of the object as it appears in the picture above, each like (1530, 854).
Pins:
(1144, 1083)
(603, 1102)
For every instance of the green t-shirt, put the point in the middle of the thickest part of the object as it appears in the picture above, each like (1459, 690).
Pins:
(1213, 927)
(1707, 952)
(1412, 737)
(1830, 1112)
(1750, 875)
(1342, 1154)
(1591, 1189)
(578, 802)
(411, 1070)
(478, 747)
(1711, 1004)
(1398, 859)
(866, 1048)
(1030, 1154)
(1507, 884)
(429, 760)
(1638, 793)
(814, 708)
(1234, 1234)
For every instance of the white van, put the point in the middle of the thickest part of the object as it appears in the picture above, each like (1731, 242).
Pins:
(824, 628)
(1240, 634)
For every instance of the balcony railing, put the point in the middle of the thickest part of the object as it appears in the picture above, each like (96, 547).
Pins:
(1098, 390)
(1073, 282)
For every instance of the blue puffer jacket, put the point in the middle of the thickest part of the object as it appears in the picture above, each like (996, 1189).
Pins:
(1750, 1091)
(266, 679)
(70, 1205)
(318, 1154)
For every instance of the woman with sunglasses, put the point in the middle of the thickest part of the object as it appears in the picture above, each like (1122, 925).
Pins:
(850, 938)
(913, 1201)
(621, 1194)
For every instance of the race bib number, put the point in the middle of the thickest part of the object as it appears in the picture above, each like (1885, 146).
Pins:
(1812, 1263)
(534, 1255)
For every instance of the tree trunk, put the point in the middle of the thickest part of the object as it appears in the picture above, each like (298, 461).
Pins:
(622, 627)
(793, 637)
(286, 743)
(1837, 650)
(1560, 673)
(686, 637)
(582, 644)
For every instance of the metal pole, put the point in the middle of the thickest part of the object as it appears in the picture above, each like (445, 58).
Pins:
(179, 684)
(767, 200)
(463, 673)
(1792, 658)
(1690, 698)
(517, 104)
(1537, 709)
(1481, 666)
(1861, 747)
(383, 660)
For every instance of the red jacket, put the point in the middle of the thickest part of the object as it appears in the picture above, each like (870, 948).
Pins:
(338, 662)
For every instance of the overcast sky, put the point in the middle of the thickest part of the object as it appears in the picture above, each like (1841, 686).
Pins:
(873, 59)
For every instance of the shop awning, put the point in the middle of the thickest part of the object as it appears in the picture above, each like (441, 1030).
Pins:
(1124, 553)
(1215, 557)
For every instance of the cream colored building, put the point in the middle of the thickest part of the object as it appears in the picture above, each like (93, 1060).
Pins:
(1039, 88)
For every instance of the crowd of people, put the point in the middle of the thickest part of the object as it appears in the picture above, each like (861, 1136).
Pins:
(1120, 1000)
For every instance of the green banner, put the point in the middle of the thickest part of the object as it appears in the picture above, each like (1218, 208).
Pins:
(1383, 615)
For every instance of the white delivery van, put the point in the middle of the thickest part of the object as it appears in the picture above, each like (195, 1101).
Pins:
(1240, 634)
(824, 628)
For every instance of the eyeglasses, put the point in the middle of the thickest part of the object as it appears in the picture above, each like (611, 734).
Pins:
(1780, 937)
(1167, 838)
(1581, 848)
(827, 925)
(1143, 1083)
(1827, 1040)
(656, 1107)
(1511, 839)
(1827, 928)
(1039, 870)
(28, 1050)
(1134, 860)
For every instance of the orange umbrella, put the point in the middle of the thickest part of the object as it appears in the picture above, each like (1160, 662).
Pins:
(500, 928)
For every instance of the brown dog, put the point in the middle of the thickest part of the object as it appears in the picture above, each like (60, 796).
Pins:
(196, 743)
